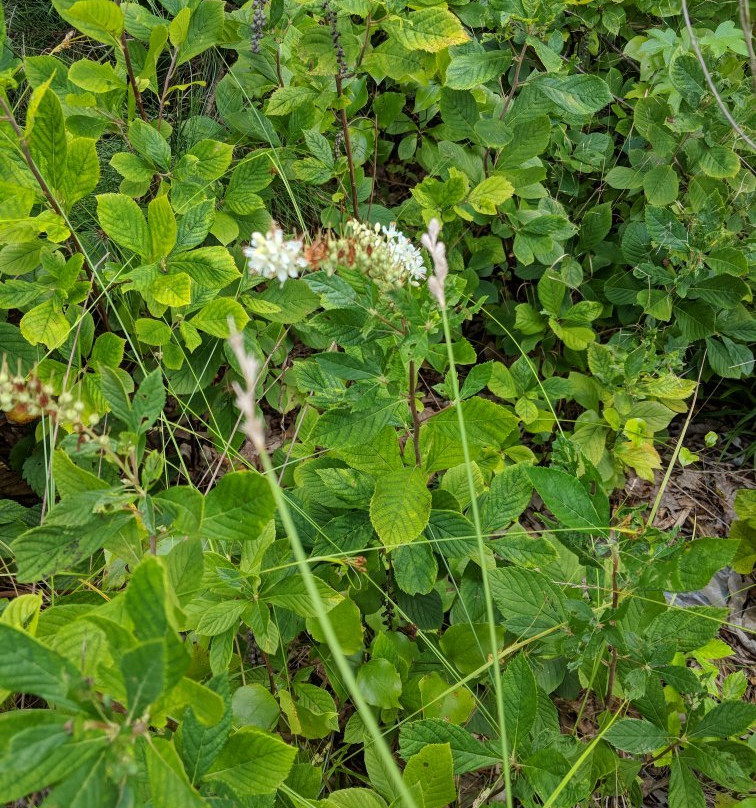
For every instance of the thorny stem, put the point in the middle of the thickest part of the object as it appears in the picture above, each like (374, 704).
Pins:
(132, 78)
(54, 204)
(415, 416)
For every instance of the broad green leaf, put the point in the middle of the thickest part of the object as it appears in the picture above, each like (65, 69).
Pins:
(688, 78)
(148, 401)
(152, 332)
(82, 171)
(285, 100)
(467, 71)
(664, 229)
(690, 627)
(252, 762)
(143, 672)
(432, 769)
(291, 593)
(520, 700)
(45, 323)
(27, 666)
(41, 756)
(208, 267)
(685, 790)
(354, 798)
(527, 600)
(172, 290)
(725, 719)
(238, 508)
(440, 700)
(214, 158)
(577, 94)
(719, 162)
(255, 706)
(429, 29)
(310, 711)
(468, 645)
(72, 479)
(122, 220)
(179, 27)
(96, 77)
(146, 599)
(220, 617)
(624, 178)
(149, 143)
(207, 706)
(380, 683)
(345, 427)
(636, 736)
(88, 784)
(214, 317)
(99, 19)
(415, 568)
(595, 226)
(468, 753)
(205, 29)
(346, 620)
(400, 507)
(486, 423)
(169, 785)
(568, 500)
(661, 185)
(52, 548)
(695, 320)
(162, 226)
(729, 359)
(393, 59)
(45, 134)
(489, 194)
(551, 292)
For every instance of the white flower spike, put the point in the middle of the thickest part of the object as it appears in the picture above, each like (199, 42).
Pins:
(437, 250)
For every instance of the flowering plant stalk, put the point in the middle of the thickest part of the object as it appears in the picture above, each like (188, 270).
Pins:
(252, 425)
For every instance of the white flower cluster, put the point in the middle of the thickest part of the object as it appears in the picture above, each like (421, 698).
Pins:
(405, 253)
(384, 254)
(273, 257)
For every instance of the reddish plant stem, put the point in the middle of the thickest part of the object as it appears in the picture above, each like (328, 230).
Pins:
(132, 78)
(348, 147)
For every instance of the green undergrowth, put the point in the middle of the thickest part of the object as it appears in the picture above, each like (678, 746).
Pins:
(339, 520)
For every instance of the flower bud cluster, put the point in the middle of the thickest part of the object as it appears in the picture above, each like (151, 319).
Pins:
(384, 254)
(331, 19)
(258, 24)
(25, 399)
